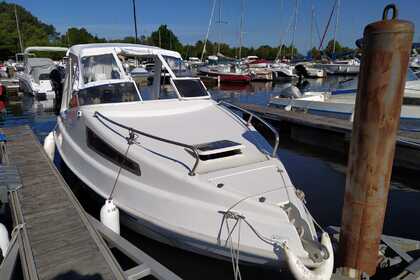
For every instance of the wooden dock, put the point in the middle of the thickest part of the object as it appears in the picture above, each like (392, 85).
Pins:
(333, 134)
(57, 239)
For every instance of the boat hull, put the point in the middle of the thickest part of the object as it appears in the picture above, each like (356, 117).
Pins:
(187, 211)
(227, 77)
(182, 240)
(340, 69)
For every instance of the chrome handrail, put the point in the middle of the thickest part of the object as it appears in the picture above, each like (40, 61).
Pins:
(133, 130)
(248, 123)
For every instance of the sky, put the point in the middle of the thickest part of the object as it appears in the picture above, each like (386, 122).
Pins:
(265, 21)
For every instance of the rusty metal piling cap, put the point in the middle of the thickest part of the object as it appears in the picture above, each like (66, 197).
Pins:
(392, 25)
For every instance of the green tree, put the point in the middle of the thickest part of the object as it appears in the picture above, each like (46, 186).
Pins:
(74, 36)
(164, 37)
(33, 31)
(339, 49)
(315, 53)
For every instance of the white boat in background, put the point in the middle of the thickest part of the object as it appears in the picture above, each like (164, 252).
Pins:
(341, 67)
(184, 169)
(194, 62)
(282, 71)
(415, 64)
(340, 103)
(308, 71)
(35, 77)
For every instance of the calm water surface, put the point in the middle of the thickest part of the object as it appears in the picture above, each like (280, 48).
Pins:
(321, 174)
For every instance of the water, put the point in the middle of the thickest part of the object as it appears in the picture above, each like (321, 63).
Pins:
(320, 174)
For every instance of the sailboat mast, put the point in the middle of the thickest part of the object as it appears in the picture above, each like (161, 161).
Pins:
(18, 30)
(336, 25)
(312, 28)
(294, 29)
(220, 28)
(208, 30)
(241, 34)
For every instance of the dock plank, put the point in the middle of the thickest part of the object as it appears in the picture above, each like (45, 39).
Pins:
(61, 239)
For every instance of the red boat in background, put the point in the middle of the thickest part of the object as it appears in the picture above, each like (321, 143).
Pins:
(259, 63)
(232, 76)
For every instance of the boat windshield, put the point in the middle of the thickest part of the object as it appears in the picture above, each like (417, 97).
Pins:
(177, 66)
(108, 93)
(99, 68)
(190, 87)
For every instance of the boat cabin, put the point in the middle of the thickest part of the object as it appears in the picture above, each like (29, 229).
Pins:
(99, 73)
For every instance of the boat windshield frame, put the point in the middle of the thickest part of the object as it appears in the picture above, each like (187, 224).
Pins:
(173, 77)
(74, 79)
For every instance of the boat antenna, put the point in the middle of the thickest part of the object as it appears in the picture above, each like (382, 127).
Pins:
(135, 21)
(241, 33)
(208, 30)
(18, 30)
(336, 25)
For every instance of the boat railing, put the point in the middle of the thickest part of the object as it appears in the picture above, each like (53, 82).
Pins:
(254, 116)
(131, 130)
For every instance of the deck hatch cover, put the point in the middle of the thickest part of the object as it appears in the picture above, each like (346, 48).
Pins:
(218, 149)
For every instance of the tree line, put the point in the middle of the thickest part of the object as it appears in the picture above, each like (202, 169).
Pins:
(36, 33)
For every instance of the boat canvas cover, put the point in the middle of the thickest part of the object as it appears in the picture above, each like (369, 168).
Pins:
(39, 66)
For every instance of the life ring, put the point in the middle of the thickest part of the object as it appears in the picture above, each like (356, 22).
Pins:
(301, 272)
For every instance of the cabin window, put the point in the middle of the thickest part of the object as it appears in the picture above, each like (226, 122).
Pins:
(108, 93)
(100, 68)
(44, 76)
(98, 145)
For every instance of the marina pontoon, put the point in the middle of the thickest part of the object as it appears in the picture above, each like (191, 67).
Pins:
(182, 168)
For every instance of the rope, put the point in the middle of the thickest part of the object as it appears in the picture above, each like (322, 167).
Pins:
(313, 219)
(234, 252)
(18, 227)
(14, 235)
(130, 140)
(232, 215)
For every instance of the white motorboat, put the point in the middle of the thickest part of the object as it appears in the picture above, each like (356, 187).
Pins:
(194, 62)
(340, 103)
(308, 71)
(341, 67)
(35, 77)
(184, 169)
(282, 71)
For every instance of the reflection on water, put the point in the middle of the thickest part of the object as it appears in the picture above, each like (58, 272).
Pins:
(320, 174)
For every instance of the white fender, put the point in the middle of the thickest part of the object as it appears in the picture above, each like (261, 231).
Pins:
(4, 240)
(49, 145)
(301, 272)
(289, 106)
(110, 216)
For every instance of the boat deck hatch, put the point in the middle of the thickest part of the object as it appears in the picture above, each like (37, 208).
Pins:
(218, 149)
